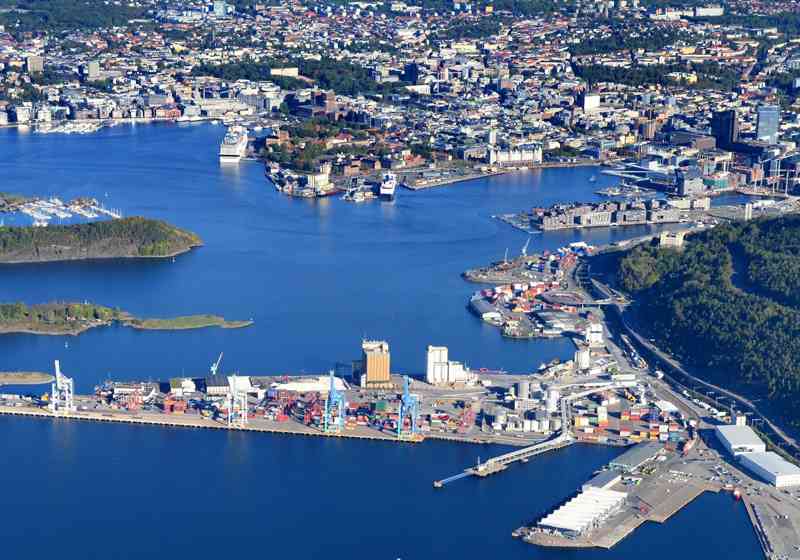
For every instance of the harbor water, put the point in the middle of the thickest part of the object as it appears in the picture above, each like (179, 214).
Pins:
(316, 277)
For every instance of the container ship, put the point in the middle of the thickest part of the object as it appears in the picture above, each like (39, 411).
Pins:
(388, 186)
(234, 145)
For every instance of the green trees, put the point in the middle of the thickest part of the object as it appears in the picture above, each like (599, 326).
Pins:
(480, 29)
(728, 304)
(709, 75)
(342, 77)
(60, 15)
(112, 238)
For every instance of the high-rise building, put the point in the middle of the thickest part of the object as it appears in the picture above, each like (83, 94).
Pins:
(34, 64)
(220, 8)
(590, 102)
(92, 70)
(375, 363)
(411, 73)
(725, 128)
(768, 122)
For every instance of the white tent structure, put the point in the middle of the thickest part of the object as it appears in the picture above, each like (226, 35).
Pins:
(584, 512)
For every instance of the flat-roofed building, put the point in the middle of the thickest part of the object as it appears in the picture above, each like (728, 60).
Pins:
(740, 439)
(603, 480)
(772, 468)
(636, 456)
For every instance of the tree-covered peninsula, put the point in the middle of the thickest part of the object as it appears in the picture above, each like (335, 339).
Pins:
(728, 304)
(126, 237)
(75, 318)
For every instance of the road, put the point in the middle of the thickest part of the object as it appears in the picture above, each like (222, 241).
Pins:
(743, 402)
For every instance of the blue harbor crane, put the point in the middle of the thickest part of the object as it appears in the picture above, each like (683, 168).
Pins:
(334, 402)
(409, 408)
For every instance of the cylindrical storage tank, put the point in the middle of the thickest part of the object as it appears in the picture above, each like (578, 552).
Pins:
(552, 400)
(500, 415)
(523, 390)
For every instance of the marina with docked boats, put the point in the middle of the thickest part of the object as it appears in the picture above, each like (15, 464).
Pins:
(41, 211)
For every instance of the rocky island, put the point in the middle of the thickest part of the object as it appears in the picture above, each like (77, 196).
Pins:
(75, 318)
(121, 238)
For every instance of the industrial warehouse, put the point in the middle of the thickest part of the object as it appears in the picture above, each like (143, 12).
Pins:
(585, 511)
(751, 452)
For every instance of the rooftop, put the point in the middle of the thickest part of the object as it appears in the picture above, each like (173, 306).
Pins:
(772, 463)
(636, 456)
(588, 507)
(739, 436)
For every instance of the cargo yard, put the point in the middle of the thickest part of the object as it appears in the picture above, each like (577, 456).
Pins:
(539, 298)
(678, 445)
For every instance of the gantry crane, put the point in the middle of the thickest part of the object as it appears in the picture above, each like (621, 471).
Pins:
(62, 398)
(334, 402)
(409, 408)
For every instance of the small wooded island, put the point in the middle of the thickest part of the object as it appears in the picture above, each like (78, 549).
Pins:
(75, 318)
(121, 238)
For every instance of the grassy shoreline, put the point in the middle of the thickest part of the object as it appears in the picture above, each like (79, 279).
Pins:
(72, 319)
(24, 378)
(186, 322)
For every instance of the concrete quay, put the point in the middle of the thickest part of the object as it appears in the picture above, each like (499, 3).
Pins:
(254, 425)
(627, 521)
(179, 421)
(774, 522)
(665, 488)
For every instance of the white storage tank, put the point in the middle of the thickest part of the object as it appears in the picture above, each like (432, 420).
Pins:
(553, 397)
(523, 390)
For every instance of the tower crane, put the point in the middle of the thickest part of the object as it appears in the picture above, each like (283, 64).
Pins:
(334, 402)
(409, 408)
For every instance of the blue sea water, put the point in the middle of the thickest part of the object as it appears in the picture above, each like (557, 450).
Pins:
(316, 276)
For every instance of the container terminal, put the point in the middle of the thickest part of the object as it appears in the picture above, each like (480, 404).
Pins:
(678, 443)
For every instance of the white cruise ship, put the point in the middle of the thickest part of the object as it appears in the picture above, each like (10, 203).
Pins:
(234, 145)
(388, 186)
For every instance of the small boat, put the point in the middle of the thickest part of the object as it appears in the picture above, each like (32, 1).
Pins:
(592, 179)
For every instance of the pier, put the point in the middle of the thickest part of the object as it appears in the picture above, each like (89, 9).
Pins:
(501, 462)
(656, 499)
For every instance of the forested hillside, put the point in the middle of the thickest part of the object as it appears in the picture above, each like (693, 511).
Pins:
(728, 303)
(128, 237)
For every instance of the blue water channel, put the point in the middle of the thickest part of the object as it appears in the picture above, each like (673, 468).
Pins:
(316, 277)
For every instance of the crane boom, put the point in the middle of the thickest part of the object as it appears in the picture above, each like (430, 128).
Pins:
(525, 247)
(215, 365)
